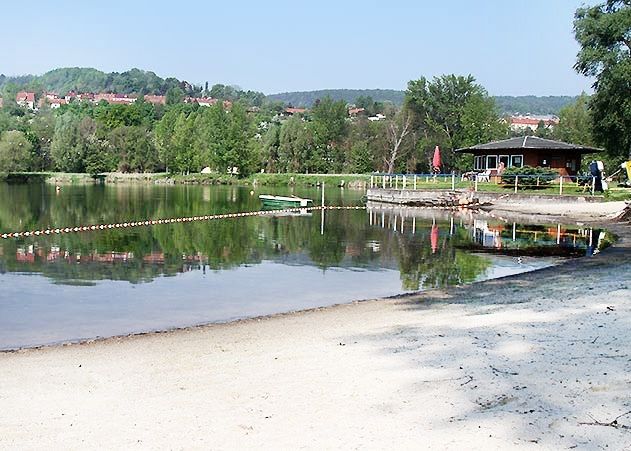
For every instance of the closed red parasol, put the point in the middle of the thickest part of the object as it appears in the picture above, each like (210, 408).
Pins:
(436, 163)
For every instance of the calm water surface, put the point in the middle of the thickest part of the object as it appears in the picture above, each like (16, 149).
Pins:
(105, 283)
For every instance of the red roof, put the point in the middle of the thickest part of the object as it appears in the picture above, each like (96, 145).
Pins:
(532, 121)
(24, 96)
(157, 100)
(356, 111)
(295, 110)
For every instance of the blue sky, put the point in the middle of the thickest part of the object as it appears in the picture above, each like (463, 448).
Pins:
(514, 47)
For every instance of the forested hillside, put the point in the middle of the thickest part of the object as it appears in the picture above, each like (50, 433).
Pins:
(308, 98)
(533, 104)
(136, 81)
(505, 104)
(83, 79)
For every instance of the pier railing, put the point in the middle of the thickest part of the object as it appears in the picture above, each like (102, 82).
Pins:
(532, 184)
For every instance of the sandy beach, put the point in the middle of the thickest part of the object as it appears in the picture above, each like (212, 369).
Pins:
(535, 361)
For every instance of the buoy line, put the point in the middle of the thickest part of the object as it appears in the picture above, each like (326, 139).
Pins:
(151, 222)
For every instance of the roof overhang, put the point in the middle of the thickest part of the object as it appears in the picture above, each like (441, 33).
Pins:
(528, 143)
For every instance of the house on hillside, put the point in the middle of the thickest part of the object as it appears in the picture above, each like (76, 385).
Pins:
(53, 100)
(117, 99)
(290, 111)
(156, 100)
(25, 99)
(520, 124)
(563, 157)
(354, 112)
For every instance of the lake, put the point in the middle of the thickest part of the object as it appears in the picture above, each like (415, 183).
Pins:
(68, 287)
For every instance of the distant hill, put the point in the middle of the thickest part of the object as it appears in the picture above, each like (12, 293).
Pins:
(137, 81)
(85, 79)
(308, 98)
(505, 104)
(532, 104)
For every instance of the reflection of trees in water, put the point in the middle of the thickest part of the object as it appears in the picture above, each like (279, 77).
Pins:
(169, 249)
(218, 244)
(422, 267)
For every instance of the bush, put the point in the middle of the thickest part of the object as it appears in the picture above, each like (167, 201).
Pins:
(529, 177)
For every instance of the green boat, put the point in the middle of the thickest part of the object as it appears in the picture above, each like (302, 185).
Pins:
(270, 201)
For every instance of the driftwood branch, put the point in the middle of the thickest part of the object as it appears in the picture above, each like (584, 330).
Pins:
(614, 423)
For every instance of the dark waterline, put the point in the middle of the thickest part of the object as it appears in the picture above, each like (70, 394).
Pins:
(115, 282)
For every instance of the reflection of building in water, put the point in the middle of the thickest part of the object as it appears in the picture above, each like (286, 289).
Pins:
(486, 236)
(515, 235)
(490, 234)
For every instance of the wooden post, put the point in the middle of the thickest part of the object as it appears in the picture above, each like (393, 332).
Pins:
(453, 181)
(404, 180)
(414, 181)
(516, 182)
(593, 184)
(322, 217)
(475, 183)
(383, 180)
(561, 186)
(371, 181)
(396, 182)
(559, 234)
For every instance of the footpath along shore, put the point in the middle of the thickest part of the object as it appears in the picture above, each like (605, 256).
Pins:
(540, 360)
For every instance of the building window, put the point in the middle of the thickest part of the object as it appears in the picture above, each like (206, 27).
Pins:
(517, 161)
(479, 163)
(491, 161)
(504, 159)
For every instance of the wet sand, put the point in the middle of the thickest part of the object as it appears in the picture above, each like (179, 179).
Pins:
(540, 360)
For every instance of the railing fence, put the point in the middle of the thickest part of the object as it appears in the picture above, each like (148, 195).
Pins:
(556, 184)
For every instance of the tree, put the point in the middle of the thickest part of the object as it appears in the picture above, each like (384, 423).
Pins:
(43, 129)
(296, 142)
(270, 148)
(134, 150)
(575, 125)
(163, 138)
(66, 153)
(174, 96)
(15, 152)
(542, 131)
(398, 131)
(449, 111)
(182, 142)
(604, 34)
(329, 126)
(361, 158)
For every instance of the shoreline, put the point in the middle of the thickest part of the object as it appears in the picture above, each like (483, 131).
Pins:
(353, 181)
(532, 360)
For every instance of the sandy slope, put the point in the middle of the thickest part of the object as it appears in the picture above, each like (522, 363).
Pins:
(521, 362)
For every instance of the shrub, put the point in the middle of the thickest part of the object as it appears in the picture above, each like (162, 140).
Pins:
(529, 177)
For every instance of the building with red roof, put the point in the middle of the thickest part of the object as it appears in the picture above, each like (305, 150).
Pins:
(25, 99)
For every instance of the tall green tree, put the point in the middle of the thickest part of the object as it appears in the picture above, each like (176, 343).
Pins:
(329, 126)
(186, 160)
(575, 124)
(296, 143)
(450, 111)
(66, 151)
(15, 152)
(604, 34)
(174, 96)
